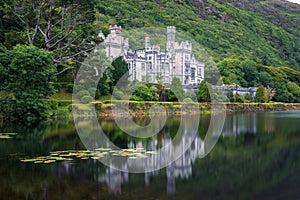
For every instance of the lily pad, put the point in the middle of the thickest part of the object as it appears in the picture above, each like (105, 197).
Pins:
(49, 161)
(5, 137)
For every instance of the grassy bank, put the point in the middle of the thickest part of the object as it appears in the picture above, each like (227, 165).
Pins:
(63, 108)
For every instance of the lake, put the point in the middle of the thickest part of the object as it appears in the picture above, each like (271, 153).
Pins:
(256, 157)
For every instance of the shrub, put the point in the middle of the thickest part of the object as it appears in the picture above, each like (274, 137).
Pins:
(260, 95)
(53, 104)
(248, 97)
(64, 102)
(78, 87)
(187, 100)
(92, 91)
(97, 94)
(118, 95)
(86, 99)
(238, 98)
(69, 87)
(192, 95)
(135, 98)
(82, 93)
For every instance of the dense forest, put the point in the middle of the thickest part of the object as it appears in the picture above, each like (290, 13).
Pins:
(253, 42)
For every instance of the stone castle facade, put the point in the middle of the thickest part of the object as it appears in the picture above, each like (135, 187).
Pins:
(154, 64)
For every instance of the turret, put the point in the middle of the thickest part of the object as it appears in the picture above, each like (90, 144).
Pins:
(147, 42)
(171, 32)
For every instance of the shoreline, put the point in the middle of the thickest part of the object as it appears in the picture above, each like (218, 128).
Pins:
(140, 109)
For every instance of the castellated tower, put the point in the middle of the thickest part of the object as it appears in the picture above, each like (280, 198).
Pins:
(153, 64)
(171, 32)
(147, 42)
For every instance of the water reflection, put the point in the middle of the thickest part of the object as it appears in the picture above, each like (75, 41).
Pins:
(271, 151)
(240, 124)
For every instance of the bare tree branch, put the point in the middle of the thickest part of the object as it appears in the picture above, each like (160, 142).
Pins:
(62, 71)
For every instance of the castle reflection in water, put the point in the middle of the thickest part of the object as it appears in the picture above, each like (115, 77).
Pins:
(182, 167)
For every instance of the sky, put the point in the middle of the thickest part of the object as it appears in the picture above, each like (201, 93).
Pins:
(295, 1)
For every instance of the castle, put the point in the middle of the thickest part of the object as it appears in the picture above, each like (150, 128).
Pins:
(154, 64)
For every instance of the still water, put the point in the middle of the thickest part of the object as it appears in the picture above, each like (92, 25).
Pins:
(256, 157)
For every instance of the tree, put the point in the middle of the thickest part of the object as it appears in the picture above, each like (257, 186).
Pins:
(238, 98)
(294, 89)
(63, 27)
(144, 93)
(282, 94)
(270, 92)
(266, 79)
(260, 95)
(176, 88)
(119, 69)
(247, 97)
(230, 96)
(26, 74)
(203, 92)
(250, 72)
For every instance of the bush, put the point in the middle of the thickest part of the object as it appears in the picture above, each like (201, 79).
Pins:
(92, 91)
(118, 95)
(135, 98)
(64, 102)
(86, 99)
(83, 93)
(248, 97)
(78, 87)
(98, 94)
(53, 104)
(69, 87)
(260, 95)
(192, 95)
(57, 86)
(238, 98)
(187, 100)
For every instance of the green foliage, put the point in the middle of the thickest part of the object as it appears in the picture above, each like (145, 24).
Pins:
(97, 94)
(247, 97)
(188, 100)
(171, 96)
(86, 99)
(63, 27)
(92, 91)
(192, 95)
(69, 87)
(222, 28)
(26, 73)
(144, 93)
(230, 96)
(176, 88)
(104, 85)
(294, 89)
(238, 98)
(203, 92)
(118, 94)
(260, 95)
(82, 93)
(282, 93)
(120, 68)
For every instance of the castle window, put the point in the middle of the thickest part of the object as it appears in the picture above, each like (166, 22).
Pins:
(143, 66)
(149, 65)
(193, 74)
(199, 72)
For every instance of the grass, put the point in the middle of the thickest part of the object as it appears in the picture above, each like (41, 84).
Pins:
(62, 95)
